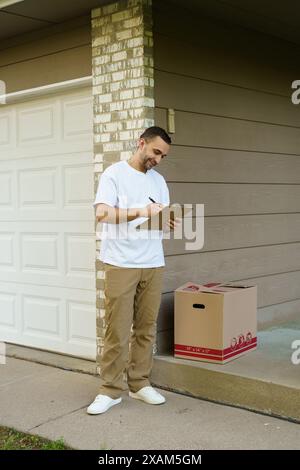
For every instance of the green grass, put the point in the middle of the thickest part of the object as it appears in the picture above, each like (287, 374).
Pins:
(10, 439)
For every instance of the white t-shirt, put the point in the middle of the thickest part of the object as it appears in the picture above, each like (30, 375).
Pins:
(123, 186)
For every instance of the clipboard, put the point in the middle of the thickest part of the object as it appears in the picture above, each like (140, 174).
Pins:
(158, 221)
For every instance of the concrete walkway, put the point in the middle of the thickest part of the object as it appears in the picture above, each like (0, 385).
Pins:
(52, 403)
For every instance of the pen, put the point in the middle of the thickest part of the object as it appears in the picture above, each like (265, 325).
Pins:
(152, 200)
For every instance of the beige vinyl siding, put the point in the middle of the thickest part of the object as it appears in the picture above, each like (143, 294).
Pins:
(237, 150)
(53, 54)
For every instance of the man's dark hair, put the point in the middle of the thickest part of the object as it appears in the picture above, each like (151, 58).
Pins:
(156, 131)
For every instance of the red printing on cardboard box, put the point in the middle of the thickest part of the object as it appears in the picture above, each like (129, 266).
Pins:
(212, 284)
(215, 358)
(217, 354)
(191, 287)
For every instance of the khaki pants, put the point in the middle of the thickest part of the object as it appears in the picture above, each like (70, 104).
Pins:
(132, 298)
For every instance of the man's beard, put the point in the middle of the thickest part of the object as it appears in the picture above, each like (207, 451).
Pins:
(148, 164)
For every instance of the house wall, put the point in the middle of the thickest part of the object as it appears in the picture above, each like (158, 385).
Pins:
(236, 149)
(53, 54)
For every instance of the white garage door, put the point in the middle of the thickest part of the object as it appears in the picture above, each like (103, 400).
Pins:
(47, 241)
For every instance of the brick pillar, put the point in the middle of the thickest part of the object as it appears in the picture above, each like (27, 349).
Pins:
(123, 95)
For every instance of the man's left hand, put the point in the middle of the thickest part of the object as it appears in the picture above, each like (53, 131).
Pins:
(172, 224)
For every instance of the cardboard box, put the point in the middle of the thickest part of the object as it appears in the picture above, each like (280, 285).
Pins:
(215, 322)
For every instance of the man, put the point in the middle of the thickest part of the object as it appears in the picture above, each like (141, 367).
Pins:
(134, 265)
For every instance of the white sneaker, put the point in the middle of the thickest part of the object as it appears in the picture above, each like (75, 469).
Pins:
(101, 404)
(148, 395)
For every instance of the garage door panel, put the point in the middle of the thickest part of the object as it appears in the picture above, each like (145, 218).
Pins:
(52, 254)
(47, 237)
(80, 328)
(5, 129)
(36, 124)
(51, 318)
(42, 317)
(77, 183)
(77, 118)
(8, 312)
(37, 187)
(6, 181)
(59, 187)
(47, 126)
(7, 248)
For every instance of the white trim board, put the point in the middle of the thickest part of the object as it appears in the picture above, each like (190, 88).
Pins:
(30, 93)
